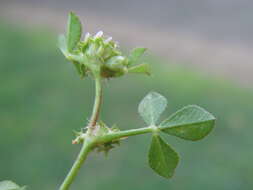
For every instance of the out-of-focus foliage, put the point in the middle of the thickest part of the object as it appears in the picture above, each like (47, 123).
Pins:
(9, 185)
(42, 101)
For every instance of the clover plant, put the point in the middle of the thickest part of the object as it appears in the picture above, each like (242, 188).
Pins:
(99, 57)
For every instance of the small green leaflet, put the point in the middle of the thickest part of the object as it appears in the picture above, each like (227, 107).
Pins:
(74, 31)
(190, 123)
(135, 54)
(9, 185)
(151, 107)
(62, 44)
(162, 158)
(81, 69)
(142, 68)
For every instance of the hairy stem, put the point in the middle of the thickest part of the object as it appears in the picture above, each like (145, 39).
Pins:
(97, 103)
(86, 148)
(126, 133)
(90, 141)
(88, 145)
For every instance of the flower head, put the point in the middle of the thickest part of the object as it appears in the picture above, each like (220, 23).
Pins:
(98, 53)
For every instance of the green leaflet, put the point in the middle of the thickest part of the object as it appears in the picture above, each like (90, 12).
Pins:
(142, 68)
(62, 44)
(74, 31)
(81, 69)
(162, 158)
(151, 107)
(9, 185)
(135, 54)
(190, 123)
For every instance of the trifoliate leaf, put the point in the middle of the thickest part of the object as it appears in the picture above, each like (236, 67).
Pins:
(136, 54)
(8, 185)
(162, 158)
(151, 107)
(142, 68)
(190, 123)
(74, 31)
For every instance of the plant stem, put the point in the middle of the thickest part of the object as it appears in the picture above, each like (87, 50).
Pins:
(91, 140)
(122, 134)
(87, 145)
(97, 103)
(86, 148)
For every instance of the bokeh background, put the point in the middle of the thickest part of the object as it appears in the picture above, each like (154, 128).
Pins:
(200, 52)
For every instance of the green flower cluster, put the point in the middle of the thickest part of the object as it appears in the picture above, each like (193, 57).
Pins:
(98, 54)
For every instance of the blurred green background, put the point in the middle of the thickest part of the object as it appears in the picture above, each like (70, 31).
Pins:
(42, 100)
